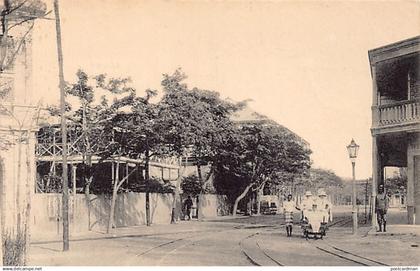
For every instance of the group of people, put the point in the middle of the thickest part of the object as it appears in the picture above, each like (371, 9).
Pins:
(320, 204)
(309, 205)
(315, 204)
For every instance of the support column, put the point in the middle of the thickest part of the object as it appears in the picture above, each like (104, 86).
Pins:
(410, 185)
(73, 175)
(376, 169)
(375, 99)
(126, 173)
(112, 172)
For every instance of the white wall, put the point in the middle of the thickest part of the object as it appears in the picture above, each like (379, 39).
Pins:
(130, 211)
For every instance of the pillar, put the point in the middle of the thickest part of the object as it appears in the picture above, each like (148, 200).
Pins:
(413, 179)
(375, 99)
(410, 190)
(74, 167)
(376, 175)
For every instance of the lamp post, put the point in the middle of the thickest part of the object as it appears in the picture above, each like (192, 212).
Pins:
(353, 148)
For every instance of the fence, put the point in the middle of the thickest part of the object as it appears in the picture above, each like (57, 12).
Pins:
(130, 210)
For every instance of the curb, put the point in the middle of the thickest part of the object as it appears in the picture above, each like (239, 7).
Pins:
(373, 232)
(110, 236)
(105, 236)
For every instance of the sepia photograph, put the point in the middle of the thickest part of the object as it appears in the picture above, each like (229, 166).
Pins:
(210, 133)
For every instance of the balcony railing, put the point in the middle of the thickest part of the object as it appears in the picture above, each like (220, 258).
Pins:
(399, 113)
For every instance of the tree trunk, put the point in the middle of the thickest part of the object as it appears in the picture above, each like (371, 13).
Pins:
(88, 205)
(147, 177)
(241, 196)
(63, 129)
(203, 184)
(2, 210)
(28, 204)
(258, 203)
(251, 201)
(113, 199)
(175, 213)
(18, 184)
(200, 195)
(199, 173)
(259, 194)
(1, 235)
(88, 155)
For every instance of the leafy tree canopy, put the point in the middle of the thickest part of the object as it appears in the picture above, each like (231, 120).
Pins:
(258, 153)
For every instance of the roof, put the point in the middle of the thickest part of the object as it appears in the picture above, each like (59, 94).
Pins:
(393, 50)
(247, 115)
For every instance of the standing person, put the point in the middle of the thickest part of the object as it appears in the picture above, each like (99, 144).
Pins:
(306, 203)
(324, 205)
(288, 208)
(381, 207)
(187, 205)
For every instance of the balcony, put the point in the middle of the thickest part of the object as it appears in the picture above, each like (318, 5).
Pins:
(402, 115)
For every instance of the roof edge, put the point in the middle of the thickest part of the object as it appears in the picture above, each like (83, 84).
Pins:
(393, 47)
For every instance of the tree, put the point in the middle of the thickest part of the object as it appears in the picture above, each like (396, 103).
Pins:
(144, 137)
(100, 122)
(397, 183)
(114, 139)
(254, 155)
(191, 185)
(169, 120)
(87, 118)
(197, 121)
(323, 178)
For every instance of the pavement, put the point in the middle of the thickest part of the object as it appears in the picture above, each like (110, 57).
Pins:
(396, 220)
(225, 238)
(124, 246)
(391, 230)
(195, 226)
(134, 231)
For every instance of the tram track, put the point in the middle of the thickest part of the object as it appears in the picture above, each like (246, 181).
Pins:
(251, 246)
(333, 250)
(175, 241)
(163, 250)
(342, 222)
(343, 254)
(256, 255)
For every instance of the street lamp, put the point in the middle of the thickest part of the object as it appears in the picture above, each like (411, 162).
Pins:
(353, 148)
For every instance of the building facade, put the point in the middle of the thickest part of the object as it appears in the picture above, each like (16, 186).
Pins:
(18, 123)
(396, 116)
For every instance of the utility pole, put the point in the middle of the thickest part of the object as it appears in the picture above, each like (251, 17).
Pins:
(366, 201)
(63, 130)
(353, 148)
(354, 209)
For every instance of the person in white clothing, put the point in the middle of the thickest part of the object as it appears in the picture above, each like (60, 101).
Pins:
(325, 205)
(307, 203)
(289, 206)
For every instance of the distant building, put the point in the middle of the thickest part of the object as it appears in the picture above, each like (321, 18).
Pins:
(18, 123)
(396, 116)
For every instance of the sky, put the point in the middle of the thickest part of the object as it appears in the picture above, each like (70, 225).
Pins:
(304, 64)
